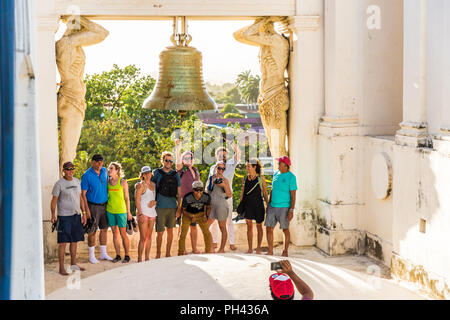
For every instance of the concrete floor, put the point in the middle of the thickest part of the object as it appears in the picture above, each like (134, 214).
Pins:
(229, 276)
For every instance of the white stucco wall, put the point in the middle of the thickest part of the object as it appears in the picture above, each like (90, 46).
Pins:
(376, 215)
(421, 190)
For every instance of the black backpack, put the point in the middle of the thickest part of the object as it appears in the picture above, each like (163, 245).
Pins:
(168, 184)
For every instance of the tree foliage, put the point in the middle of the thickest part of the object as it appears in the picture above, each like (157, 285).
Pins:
(248, 86)
(229, 108)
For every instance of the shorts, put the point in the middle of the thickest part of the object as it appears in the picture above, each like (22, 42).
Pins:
(275, 215)
(117, 219)
(144, 219)
(98, 211)
(166, 218)
(70, 229)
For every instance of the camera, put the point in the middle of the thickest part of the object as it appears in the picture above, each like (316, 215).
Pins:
(218, 181)
(275, 266)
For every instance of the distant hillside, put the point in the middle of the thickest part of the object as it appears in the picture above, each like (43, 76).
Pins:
(216, 90)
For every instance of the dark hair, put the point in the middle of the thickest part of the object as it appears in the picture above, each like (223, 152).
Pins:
(274, 297)
(256, 164)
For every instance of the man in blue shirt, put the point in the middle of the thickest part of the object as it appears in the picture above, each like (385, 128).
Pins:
(281, 203)
(94, 191)
(168, 201)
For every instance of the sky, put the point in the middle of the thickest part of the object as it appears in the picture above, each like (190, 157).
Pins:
(140, 43)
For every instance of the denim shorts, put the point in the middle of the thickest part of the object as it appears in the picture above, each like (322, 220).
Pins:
(70, 229)
(275, 215)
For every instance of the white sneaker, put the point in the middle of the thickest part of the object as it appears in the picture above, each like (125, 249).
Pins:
(105, 257)
(93, 260)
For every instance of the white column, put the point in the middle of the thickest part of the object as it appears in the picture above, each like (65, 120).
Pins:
(338, 140)
(306, 108)
(413, 130)
(441, 9)
(445, 107)
(342, 67)
(48, 121)
(27, 272)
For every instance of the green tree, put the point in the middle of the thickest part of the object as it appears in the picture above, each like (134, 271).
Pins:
(233, 96)
(248, 86)
(229, 108)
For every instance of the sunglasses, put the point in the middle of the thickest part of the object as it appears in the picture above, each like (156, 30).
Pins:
(220, 168)
(198, 190)
(69, 169)
(167, 161)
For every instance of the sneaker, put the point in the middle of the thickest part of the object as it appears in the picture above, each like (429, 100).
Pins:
(133, 223)
(93, 260)
(105, 257)
(126, 259)
(117, 259)
(129, 228)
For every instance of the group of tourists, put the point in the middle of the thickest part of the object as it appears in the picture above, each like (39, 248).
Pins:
(166, 197)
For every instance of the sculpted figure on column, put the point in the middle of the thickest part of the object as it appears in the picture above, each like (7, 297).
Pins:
(70, 59)
(273, 97)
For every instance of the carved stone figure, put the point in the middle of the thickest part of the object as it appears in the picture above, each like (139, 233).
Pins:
(70, 59)
(273, 99)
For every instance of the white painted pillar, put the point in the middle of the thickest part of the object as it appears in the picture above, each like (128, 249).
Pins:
(338, 140)
(440, 10)
(306, 108)
(27, 271)
(48, 119)
(342, 66)
(413, 130)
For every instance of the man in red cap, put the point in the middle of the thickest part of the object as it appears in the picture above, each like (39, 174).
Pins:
(281, 287)
(281, 203)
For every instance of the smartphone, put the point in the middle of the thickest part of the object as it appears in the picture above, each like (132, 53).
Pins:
(275, 266)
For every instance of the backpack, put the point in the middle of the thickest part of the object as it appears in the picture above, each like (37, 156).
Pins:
(168, 184)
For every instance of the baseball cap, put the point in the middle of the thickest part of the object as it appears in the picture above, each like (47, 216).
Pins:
(285, 159)
(97, 157)
(145, 169)
(68, 165)
(281, 285)
(197, 184)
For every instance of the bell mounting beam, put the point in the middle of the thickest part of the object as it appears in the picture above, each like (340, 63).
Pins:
(167, 9)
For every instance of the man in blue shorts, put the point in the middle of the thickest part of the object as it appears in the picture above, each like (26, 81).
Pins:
(281, 203)
(94, 190)
(67, 198)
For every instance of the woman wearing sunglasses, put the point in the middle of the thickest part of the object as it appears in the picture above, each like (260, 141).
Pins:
(219, 189)
(188, 174)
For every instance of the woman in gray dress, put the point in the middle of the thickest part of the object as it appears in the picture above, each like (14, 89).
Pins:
(218, 187)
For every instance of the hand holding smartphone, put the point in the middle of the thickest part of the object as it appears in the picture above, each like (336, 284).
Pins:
(275, 266)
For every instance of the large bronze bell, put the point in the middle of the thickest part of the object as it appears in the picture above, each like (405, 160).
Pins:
(180, 83)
